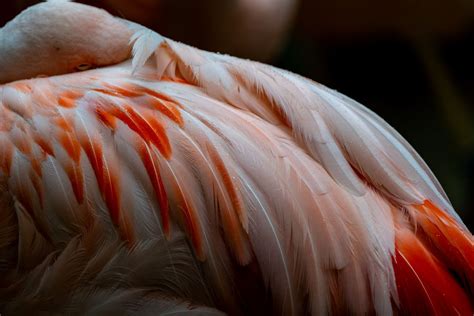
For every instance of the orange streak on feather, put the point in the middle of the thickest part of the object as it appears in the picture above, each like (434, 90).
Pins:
(191, 222)
(158, 101)
(106, 118)
(229, 185)
(109, 186)
(233, 222)
(149, 161)
(68, 98)
(72, 168)
(93, 150)
(74, 173)
(71, 145)
(425, 287)
(44, 144)
(36, 166)
(149, 129)
(454, 244)
(154, 93)
(23, 87)
(126, 90)
(168, 109)
(108, 92)
(133, 90)
(63, 123)
(22, 143)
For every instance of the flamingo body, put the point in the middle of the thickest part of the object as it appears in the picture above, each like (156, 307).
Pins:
(182, 180)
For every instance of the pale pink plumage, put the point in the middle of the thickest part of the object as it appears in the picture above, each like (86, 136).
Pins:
(289, 195)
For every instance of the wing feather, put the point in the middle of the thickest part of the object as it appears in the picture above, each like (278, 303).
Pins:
(255, 165)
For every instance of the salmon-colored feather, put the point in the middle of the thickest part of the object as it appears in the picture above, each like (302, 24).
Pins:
(149, 160)
(425, 285)
(450, 242)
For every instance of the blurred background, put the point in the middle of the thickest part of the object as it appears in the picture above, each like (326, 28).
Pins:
(411, 61)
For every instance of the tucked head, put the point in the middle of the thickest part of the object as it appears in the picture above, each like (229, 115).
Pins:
(59, 37)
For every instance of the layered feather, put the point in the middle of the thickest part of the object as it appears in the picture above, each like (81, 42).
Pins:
(256, 166)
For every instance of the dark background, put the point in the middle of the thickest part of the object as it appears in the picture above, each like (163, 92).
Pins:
(409, 61)
(412, 62)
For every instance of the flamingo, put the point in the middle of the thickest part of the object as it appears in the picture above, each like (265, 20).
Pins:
(139, 175)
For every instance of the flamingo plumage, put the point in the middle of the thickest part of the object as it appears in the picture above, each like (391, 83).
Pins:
(171, 180)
